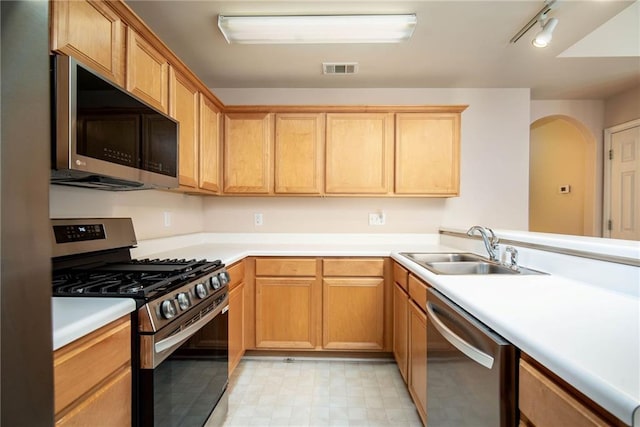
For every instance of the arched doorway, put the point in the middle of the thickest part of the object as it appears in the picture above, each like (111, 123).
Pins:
(562, 183)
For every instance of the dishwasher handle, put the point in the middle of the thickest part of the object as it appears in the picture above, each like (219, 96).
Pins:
(470, 351)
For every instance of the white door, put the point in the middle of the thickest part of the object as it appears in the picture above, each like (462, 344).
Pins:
(624, 182)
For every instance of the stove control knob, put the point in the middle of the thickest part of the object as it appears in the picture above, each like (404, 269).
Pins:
(168, 309)
(224, 278)
(215, 283)
(201, 290)
(183, 301)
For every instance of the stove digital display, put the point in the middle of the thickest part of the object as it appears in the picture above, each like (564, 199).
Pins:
(78, 233)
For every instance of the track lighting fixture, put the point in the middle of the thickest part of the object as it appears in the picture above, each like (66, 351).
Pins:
(548, 25)
(543, 38)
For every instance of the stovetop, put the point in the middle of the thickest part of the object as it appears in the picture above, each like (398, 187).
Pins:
(141, 279)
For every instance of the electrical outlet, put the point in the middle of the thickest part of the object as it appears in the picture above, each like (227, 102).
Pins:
(377, 218)
(258, 220)
(167, 219)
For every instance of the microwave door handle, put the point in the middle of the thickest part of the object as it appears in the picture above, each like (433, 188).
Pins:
(470, 351)
(185, 334)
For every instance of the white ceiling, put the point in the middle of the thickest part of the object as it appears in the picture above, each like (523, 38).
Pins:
(455, 44)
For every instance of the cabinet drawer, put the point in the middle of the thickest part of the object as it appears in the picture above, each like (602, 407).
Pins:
(418, 292)
(400, 275)
(236, 273)
(81, 365)
(545, 403)
(365, 267)
(285, 267)
(110, 405)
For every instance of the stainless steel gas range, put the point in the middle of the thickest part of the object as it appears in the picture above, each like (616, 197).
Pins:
(180, 339)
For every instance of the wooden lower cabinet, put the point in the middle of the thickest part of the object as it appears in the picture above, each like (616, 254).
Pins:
(108, 406)
(236, 326)
(545, 403)
(418, 359)
(297, 306)
(400, 330)
(237, 314)
(353, 314)
(92, 378)
(286, 312)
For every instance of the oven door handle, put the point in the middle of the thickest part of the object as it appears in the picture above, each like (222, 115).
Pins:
(185, 334)
(470, 351)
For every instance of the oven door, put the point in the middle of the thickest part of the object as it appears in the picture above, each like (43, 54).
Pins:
(187, 376)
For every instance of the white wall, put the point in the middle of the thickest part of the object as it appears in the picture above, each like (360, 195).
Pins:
(494, 168)
(145, 207)
(622, 107)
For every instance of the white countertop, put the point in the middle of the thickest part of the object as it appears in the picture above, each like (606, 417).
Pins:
(74, 318)
(587, 335)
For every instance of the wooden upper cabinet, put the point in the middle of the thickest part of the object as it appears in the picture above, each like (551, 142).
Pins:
(183, 104)
(210, 145)
(359, 152)
(299, 150)
(427, 154)
(92, 33)
(248, 146)
(147, 71)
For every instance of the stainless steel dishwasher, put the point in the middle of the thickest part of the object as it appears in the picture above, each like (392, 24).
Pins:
(471, 370)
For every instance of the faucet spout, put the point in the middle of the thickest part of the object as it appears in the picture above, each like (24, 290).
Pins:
(489, 238)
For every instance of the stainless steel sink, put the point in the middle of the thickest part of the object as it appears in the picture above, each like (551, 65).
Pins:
(462, 264)
(426, 257)
(468, 268)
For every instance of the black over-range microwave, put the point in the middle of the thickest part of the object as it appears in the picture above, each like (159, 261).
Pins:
(106, 138)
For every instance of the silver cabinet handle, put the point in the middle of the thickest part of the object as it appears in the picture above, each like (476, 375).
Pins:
(470, 351)
(185, 334)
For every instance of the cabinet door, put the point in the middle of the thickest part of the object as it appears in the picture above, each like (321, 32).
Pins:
(184, 108)
(91, 32)
(299, 149)
(286, 313)
(353, 314)
(236, 326)
(147, 72)
(427, 153)
(400, 329)
(418, 359)
(359, 153)
(210, 131)
(248, 144)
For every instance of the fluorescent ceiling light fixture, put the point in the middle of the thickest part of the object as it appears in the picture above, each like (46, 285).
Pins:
(543, 38)
(317, 29)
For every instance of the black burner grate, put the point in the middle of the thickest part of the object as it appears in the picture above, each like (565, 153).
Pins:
(147, 278)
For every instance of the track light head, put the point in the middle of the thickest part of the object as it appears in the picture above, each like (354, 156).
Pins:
(543, 38)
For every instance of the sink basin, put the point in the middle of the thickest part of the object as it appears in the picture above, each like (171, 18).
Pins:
(426, 257)
(468, 268)
(461, 264)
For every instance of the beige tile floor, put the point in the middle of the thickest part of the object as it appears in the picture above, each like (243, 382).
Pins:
(275, 392)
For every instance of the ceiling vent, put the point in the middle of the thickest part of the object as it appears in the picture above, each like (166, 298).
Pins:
(339, 67)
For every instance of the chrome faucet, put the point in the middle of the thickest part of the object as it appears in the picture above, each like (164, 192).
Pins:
(489, 238)
(512, 258)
